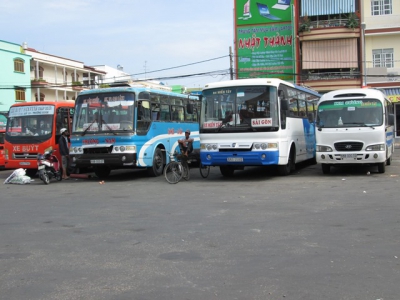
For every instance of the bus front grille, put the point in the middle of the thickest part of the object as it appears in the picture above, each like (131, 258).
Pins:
(98, 150)
(25, 155)
(348, 146)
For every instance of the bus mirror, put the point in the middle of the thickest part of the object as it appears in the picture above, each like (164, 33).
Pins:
(284, 104)
(144, 96)
(391, 119)
(189, 108)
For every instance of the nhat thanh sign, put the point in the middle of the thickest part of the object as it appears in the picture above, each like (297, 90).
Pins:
(265, 42)
(265, 51)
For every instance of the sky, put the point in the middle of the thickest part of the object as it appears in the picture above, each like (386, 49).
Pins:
(141, 36)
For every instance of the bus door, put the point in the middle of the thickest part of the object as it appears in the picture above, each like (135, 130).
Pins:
(63, 118)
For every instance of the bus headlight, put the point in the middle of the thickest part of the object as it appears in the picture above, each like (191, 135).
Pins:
(377, 147)
(209, 147)
(265, 146)
(321, 148)
(130, 148)
(124, 148)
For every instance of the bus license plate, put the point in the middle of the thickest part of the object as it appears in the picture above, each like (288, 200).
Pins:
(25, 163)
(348, 156)
(235, 159)
(97, 161)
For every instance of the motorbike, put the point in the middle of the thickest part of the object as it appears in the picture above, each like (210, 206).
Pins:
(48, 167)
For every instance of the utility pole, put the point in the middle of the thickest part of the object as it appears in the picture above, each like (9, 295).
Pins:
(231, 62)
(145, 68)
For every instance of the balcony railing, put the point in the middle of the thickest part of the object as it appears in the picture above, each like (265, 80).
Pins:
(331, 75)
(347, 22)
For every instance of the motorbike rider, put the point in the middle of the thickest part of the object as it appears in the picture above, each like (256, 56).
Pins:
(64, 151)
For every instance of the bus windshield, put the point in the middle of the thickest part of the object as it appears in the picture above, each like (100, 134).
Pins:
(30, 121)
(350, 113)
(245, 108)
(104, 112)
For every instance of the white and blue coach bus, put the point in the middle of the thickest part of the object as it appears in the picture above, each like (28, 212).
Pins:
(354, 126)
(129, 127)
(257, 122)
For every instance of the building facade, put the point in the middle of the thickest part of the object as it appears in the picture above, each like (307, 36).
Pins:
(329, 44)
(55, 78)
(350, 44)
(381, 35)
(14, 75)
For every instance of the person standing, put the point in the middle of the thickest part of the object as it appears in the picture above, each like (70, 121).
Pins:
(64, 151)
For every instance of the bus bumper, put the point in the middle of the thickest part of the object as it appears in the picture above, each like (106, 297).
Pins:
(363, 157)
(239, 158)
(115, 161)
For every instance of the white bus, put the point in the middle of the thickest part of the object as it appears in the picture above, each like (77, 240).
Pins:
(354, 126)
(257, 122)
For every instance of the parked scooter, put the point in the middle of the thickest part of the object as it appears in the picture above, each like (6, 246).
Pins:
(48, 167)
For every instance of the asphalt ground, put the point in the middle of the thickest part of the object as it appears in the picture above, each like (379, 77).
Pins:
(254, 236)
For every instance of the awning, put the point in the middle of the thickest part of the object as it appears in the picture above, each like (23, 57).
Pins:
(330, 54)
(326, 7)
(393, 94)
(392, 91)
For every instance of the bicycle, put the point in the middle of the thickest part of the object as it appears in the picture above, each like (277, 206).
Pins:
(177, 168)
(204, 170)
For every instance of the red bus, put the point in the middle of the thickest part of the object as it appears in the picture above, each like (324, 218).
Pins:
(3, 122)
(33, 128)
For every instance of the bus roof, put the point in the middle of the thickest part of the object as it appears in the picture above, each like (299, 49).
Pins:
(56, 103)
(136, 89)
(257, 81)
(353, 93)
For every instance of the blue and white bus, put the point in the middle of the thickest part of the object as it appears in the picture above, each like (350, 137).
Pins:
(129, 127)
(257, 122)
(355, 126)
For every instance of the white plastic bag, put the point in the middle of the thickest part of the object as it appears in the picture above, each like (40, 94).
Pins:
(18, 177)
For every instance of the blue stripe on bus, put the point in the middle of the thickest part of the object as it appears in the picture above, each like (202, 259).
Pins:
(250, 158)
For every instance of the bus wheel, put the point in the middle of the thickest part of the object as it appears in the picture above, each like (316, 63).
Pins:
(389, 160)
(158, 164)
(102, 172)
(326, 169)
(31, 172)
(285, 170)
(227, 171)
(381, 167)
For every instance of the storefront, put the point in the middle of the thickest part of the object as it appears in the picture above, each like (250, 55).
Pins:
(394, 95)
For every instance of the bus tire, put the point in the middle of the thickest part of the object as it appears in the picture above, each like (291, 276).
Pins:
(326, 169)
(389, 161)
(382, 167)
(285, 170)
(102, 172)
(227, 171)
(158, 164)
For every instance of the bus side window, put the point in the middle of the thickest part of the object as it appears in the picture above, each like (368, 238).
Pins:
(165, 113)
(293, 110)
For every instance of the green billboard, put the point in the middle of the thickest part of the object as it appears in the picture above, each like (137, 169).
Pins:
(262, 11)
(265, 43)
(265, 51)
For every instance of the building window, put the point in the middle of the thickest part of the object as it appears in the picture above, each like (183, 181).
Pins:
(19, 94)
(381, 7)
(73, 78)
(18, 65)
(383, 58)
(41, 97)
